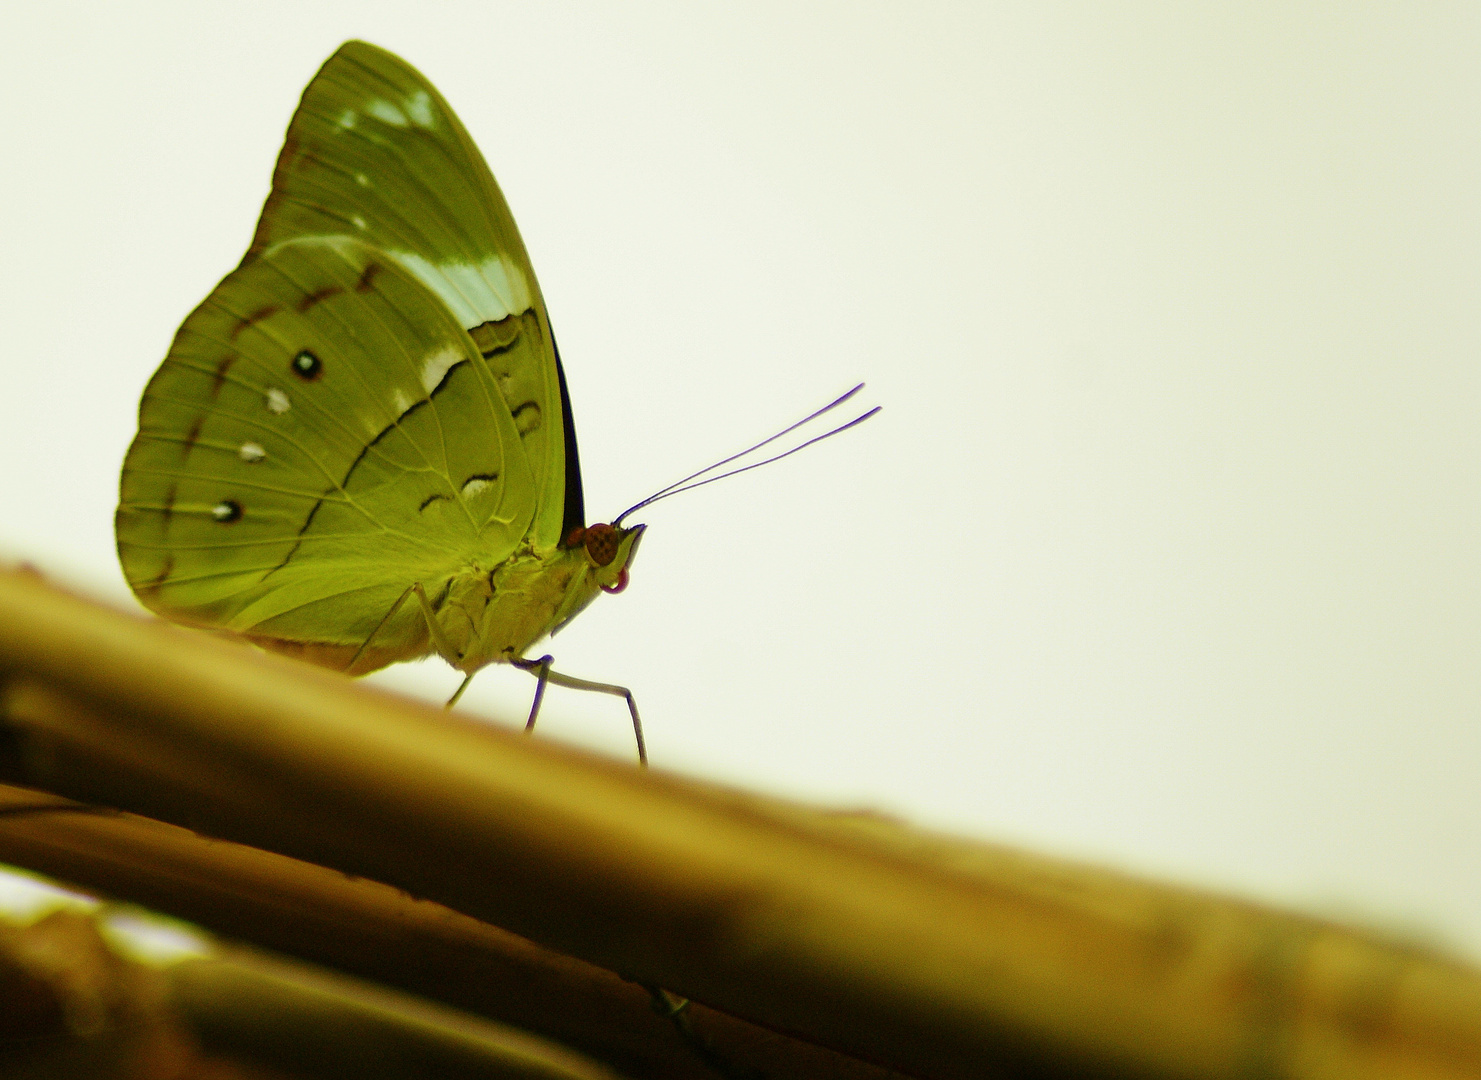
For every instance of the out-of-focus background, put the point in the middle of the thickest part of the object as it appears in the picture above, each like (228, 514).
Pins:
(1166, 549)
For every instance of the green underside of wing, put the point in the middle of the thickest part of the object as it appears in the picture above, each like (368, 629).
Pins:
(376, 153)
(370, 400)
(321, 435)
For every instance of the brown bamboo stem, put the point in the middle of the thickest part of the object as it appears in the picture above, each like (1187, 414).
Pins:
(381, 934)
(939, 958)
(73, 1008)
(312, 1023)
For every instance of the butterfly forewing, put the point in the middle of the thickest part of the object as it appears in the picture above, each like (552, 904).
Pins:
(322, 433)
(374, 152)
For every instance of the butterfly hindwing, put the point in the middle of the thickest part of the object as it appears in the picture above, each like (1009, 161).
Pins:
(375, 153)
(322, 433)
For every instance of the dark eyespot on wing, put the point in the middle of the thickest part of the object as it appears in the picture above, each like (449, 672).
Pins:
(367, 277)
(429, 500)
(307, 366)
(257, 316)
(315, 297)
(227, 511)
(167, 508)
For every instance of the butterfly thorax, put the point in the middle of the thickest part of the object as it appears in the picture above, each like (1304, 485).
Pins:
(493, 616)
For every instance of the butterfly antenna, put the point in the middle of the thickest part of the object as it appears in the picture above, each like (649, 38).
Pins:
(769, 439)
(686, 485)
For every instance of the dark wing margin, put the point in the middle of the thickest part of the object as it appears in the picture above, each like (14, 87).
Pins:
(575, 516)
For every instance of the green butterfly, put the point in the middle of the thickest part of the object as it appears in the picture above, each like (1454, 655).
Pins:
(359, 449)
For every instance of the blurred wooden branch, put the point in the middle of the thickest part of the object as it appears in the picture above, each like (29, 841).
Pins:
(937, 957)
(311, 1023)
(74, 1007)
(379, 933)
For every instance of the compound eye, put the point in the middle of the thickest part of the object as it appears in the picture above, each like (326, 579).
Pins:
(601, 544)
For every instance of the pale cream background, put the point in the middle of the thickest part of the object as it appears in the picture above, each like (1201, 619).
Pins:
(1164, 551)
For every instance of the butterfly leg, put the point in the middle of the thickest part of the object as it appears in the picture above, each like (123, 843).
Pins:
(459, 691)
(384, 619)
(444, 648)
(541, 670)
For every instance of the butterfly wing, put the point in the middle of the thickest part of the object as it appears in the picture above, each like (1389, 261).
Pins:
(374, 152)
(322, 433)
(373, 398)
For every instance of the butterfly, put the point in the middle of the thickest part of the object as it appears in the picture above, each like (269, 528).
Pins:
(359, 448)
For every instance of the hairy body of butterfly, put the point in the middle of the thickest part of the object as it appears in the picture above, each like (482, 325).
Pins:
(359, 449)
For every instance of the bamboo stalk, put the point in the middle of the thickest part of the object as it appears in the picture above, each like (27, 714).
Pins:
(76, 1007)
(381, 934)
(937, 957)
(314, 1024)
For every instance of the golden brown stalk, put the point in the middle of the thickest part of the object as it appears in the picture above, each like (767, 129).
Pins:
(937, 957)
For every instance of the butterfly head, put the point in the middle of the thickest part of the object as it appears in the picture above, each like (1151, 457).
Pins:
(609, 551)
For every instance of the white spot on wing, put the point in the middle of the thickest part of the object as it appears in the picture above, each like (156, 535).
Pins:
(346, 119)
(251, 452)
(362, 179)
(492, 290)
(400, 402)
(473, 487)
(387, 113)
(358, 221)
(436, 365)
(277, 401)
(419, 106)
